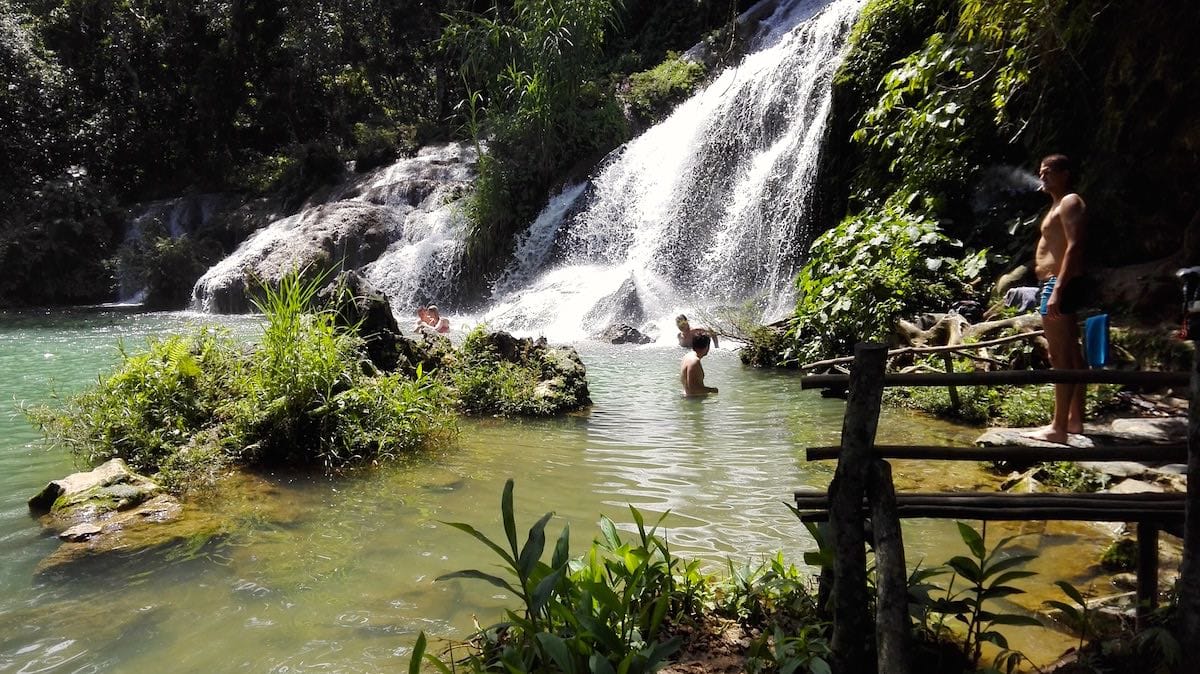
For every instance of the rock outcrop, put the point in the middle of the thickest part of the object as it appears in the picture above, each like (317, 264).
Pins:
(111, 510)
(622, 333)
(399, 225)
(562, 377)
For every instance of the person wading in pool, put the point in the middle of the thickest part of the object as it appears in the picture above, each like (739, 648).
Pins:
(691, 373)
(1058, 264)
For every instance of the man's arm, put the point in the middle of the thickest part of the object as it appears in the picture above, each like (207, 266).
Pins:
(1071, 213)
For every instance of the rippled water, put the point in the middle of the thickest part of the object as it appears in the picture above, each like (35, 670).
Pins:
(337, 575)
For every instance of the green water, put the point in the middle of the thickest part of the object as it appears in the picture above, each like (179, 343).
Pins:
(338, 575)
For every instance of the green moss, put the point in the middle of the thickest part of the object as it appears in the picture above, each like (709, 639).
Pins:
(1120, 556)
(653, 93)
(1070, 476)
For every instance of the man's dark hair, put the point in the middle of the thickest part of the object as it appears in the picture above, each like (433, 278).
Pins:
(1059, 162)
(700, 342)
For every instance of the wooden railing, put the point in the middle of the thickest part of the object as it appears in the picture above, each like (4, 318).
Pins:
(862, 489)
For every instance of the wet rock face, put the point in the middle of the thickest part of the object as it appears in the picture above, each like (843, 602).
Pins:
(397, 224)
(621, 333)
(346, 234)
(82, 497)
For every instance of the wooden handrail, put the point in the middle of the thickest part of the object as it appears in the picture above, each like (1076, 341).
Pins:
(920, 350)
(1171, 453)
(1016, 377)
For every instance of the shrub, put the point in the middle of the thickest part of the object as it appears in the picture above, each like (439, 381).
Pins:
(868, 271)
(192, 403)
(485, 383)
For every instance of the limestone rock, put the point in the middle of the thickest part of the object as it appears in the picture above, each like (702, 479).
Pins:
(85, 496)
(1162, 430)
(1134, 487)
(622, 333)
(108, 510)
(994, 437)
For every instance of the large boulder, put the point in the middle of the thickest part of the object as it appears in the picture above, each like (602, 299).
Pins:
(363, 308)
(562, 376)
(111, 510)
(400, 225)
(344, 234)
(623, 333)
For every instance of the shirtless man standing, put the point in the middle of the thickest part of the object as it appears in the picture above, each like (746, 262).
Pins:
(691, 373)
(1058, 264)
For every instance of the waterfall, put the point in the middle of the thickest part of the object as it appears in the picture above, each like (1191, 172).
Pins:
(402, 225)
(169, 217)
(711, 207)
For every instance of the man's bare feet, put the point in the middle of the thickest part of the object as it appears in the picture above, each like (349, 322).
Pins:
(1048, 434)
(1075, 430)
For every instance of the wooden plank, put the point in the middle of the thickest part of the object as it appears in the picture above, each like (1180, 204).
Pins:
(1189, 569)
(1015, 377)
(1173, 453)
(920, 350)
(851, 620)
(1020, 514)
(992, 498)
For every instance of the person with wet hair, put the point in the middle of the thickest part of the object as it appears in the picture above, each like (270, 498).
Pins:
(691, 372)
(687, 333)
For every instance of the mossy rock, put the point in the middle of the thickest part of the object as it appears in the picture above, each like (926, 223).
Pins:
(1120, 556)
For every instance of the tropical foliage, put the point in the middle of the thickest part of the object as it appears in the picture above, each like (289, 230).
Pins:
(189, 405)
(868, 271)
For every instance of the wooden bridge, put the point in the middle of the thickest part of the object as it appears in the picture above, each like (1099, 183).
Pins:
(862, 489)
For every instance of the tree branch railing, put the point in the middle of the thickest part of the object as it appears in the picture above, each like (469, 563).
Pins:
(862, 489)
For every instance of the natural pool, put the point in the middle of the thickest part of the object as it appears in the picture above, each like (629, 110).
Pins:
(338, 574)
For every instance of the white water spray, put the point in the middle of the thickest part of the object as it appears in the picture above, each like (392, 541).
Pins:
(711, 207)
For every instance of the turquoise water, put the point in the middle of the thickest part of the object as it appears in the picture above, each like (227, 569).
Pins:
(338, 575)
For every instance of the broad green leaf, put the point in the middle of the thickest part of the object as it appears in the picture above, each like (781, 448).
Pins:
(562, 548)
(544, 589)
(1008, 563)
(597, 664)
(558, 651)
(1015, 620)
(418, 652)
(1070, 590)
(535, 544)
(479, 575)
(609, 531)
(994, 638)
(972, 539)
(1012, 575)
(485, 540)
(965, 567)
(510, 522)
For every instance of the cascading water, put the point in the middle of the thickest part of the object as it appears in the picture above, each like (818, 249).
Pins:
(172, 217)
(711, 207)
(401, 225)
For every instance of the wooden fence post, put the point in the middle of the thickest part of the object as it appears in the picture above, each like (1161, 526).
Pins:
(1147, 572)
(1189, 570)
(851, 620)
(891, 576)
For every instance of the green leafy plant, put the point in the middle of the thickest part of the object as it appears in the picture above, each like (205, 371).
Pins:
(868, 271)
(189, 405)
(1078, 614)
(652, 92)
(601, 613)
(988, 575)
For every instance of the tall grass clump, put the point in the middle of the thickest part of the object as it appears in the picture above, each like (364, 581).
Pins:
(190, 405)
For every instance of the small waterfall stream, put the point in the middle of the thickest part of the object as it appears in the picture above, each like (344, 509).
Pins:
(711, 207)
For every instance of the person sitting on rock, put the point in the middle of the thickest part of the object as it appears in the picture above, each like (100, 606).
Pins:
(687, 334)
